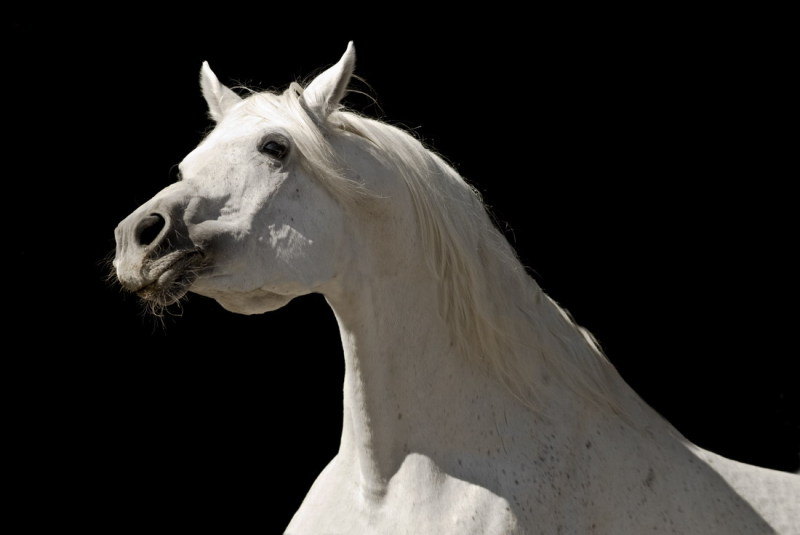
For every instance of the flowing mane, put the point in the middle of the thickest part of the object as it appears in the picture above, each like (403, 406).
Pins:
(498, 315)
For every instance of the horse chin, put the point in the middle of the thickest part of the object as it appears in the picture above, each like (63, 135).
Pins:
(163, 296)
(172, 276)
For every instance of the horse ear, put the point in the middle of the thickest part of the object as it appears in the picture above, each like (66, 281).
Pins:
(323, 94)
(218, 97)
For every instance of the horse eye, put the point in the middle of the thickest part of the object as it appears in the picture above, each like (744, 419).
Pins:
(273, 148)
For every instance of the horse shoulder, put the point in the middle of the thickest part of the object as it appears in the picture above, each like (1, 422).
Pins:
(651, 480)
(772, 494)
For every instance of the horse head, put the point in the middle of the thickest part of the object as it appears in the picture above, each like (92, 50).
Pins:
(257, 216)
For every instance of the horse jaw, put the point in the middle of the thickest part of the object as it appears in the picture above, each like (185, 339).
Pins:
(255, 302)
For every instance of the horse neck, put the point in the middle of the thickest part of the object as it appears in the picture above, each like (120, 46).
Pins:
(407, 389)
(403, 383)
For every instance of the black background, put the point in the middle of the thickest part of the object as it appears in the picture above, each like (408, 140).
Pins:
(637, 161)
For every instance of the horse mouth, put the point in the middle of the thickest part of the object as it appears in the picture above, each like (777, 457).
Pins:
(172, 275)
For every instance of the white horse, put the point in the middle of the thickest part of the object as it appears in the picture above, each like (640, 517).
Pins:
(472, 402)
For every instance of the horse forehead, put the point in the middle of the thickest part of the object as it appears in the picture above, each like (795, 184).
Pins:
(228, 140)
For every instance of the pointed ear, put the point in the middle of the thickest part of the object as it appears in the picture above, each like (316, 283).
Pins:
(218, 97)
(323, 94)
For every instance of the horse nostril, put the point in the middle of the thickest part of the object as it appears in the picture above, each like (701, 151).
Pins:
(149, 228)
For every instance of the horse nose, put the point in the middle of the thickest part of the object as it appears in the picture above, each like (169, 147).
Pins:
(149, 228)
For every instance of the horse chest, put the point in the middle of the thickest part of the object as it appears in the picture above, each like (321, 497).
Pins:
(419, 500)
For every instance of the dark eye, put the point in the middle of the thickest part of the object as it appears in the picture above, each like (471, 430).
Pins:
(273, 148)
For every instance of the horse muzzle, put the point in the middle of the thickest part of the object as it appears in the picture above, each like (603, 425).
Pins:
(154, 256)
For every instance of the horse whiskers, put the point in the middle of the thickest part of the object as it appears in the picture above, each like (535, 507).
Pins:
(110, 272)
(169, 301)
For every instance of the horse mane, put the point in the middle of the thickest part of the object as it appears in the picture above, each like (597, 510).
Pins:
(498, 315)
